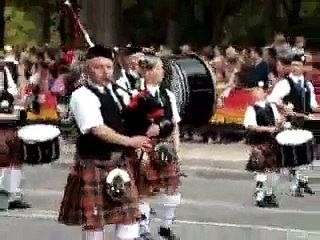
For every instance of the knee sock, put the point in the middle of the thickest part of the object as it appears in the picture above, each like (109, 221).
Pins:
(169, 207)
(92, 235)
(272, 183)
(144, 222)
(127, 231)
(261, 179)
(10, 179)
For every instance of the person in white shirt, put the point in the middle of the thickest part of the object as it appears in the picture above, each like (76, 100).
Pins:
(295, 90)
(159, 168)
(93, 198)
(295, 94)
(260, 120)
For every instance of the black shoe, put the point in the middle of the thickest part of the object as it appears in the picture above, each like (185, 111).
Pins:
(19, 205)
(308, 189)
(268, 202)
(167, 234)
(298, 192)
(145, 236)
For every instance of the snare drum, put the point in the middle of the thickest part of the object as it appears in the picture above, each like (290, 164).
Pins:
(40, 143)
(296, 147)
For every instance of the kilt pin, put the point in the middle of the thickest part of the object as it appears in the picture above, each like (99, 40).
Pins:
(86, 201)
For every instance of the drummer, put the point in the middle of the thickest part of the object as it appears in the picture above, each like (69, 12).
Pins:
(260, 121)
(295, 94)
(10, 171)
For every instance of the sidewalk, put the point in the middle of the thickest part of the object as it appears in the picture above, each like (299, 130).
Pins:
(194, 156)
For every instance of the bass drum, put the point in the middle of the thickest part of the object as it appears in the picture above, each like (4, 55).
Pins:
(191, 81)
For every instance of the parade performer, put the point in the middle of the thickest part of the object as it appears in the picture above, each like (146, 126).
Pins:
(260, 121)
(101, 187)
(10, 161)
(295, 94)
(154, 112)
(40, 95)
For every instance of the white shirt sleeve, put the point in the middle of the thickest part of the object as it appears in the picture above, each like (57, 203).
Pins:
(313, 99)
(85, 107)
(280, 90)
(276, 113)
(12, 87)
(250, 117)
(175, 112)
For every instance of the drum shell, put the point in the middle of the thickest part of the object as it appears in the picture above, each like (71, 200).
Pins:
(190, 79)
(294, 156)
(40, 153)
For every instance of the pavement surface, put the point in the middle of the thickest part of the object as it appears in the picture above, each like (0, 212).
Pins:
(217, 203)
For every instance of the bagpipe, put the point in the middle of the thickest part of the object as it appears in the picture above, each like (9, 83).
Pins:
(143, 109)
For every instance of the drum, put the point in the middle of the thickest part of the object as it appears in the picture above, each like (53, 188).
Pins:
(296, 147)
(40, 143)
(9, 142)
(190, 79)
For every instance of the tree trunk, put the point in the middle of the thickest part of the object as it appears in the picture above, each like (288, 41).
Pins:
(46, 10)
(2, 23)
(270, 17)
(172, 38)
(104, 21)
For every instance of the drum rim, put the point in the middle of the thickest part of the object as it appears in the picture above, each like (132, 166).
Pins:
(30, 140)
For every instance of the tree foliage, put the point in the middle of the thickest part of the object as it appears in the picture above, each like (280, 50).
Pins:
(19, 28)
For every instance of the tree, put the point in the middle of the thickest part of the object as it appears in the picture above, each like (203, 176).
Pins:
(2, 23)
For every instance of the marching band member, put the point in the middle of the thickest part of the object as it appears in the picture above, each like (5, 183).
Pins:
(260, 120)
(130, 80)
(10, 163)
(295, 94)
(158, 172)
(101, 188)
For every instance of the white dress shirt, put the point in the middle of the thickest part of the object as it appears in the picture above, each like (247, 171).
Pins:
(12, 87)
(282, 89)
(250, 118)
(124, 82)
(85, 107)
(175, 113)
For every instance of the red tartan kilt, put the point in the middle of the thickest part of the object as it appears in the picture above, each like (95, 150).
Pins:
(10, 147)
(86, 201)
(154, 177)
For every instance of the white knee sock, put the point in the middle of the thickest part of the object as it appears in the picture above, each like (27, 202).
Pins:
(127, 231)
(10, 181)
(92, 235)
(272, 182)
(169, 207)
(144, 222)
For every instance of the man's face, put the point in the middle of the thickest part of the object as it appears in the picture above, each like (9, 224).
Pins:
(100, 70)
(132, 62)
(297, 68)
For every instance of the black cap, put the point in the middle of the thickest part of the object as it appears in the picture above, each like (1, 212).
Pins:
(260, 84)
(99, 51)
(299, 58)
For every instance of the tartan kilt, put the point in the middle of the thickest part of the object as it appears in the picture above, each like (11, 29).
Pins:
(155, 176)
(10, 147)
(86, 201)
(264, 157)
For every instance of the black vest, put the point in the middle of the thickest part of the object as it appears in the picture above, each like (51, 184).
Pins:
(91, 147)
(137, 122)
(299, 97)
(264, 117)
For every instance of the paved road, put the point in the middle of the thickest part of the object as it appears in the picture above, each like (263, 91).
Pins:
(216, 204)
